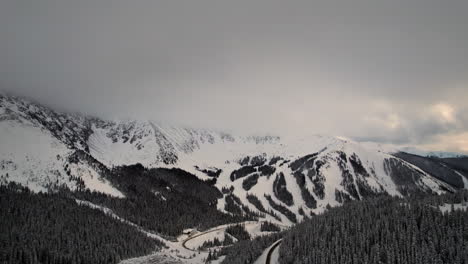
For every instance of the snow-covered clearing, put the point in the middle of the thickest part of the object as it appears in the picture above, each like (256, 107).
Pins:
(93, 180)
(448, 207)
(465, 179)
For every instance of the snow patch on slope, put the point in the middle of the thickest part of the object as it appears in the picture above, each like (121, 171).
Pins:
(31, 157)
(93, 181)
(448, 207)
(117, 151)
(465, 179)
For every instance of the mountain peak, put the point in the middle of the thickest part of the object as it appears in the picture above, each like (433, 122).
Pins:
(292, 177)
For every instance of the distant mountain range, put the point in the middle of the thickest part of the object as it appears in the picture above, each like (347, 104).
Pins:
(283, 179)
(437, 154)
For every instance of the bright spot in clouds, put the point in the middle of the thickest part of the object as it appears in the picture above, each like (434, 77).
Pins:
(393, 121)
(449, 142)
(445, 112)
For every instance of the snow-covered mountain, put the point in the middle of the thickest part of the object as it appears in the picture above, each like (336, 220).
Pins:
(285, 177)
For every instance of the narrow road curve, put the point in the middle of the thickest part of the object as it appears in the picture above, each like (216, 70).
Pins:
(197, 235)
(214, 230)
(270, 252)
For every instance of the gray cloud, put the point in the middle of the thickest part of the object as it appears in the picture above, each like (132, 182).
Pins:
(364, 69)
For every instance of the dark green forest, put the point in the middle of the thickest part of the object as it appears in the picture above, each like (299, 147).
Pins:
(165, 201)
(382, 230)
(248, 251)
(52, 228)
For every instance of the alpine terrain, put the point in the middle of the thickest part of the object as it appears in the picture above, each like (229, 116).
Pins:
(168, 183)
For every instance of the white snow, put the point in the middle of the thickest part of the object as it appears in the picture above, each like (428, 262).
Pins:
(274, 256)
(174, 253)
(448, 207)
(160, 196)
(130, 142)
(465, 179)
(93, 180)
(31, 156)
(153, 258)
(125, 153)
(198, 241)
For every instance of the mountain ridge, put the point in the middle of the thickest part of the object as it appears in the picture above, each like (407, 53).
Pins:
(289, 177)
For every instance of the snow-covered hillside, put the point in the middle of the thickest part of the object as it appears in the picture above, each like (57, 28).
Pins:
(285, 178)
(38, 150)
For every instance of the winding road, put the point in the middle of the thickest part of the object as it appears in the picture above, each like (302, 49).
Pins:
(214, 230)
(268, 255)
(271, 250)
(221, 228)
(198, 235)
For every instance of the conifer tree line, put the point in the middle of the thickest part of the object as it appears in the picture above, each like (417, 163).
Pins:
(382, 230)
(248, 251)
(269, 227)
(54, 229)
(379, 230)
(235, 206)
(238, 231)
(216, 242)
(258, 204)
(164, 201)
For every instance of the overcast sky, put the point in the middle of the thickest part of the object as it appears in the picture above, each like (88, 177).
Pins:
(387, 71)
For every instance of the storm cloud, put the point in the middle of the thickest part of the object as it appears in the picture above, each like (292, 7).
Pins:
(386, 71)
